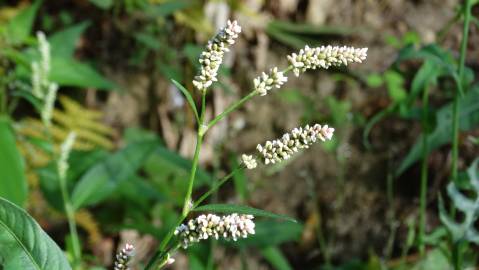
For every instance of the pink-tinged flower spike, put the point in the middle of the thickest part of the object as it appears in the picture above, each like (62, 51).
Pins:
(266, 82)
(324, 57)
(232, 226)
(211, 59)
(123, 258)
(299, 138)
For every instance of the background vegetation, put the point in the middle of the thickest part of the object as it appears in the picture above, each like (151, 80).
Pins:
(397, 187)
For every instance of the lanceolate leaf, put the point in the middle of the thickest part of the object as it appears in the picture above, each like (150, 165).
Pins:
(19, 28)
(241, 209)
(468, 119)
(102, 179)
(24, 245)
(276, 258)
(270, 233)
(70, 72)
(13, 184)
(188, 98)
(63, 43)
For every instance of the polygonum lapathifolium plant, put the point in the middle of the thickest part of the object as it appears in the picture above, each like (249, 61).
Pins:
(240, 224)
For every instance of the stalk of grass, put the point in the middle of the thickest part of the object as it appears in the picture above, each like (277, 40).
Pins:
(457, 254)
(461, 69)
(424, 171)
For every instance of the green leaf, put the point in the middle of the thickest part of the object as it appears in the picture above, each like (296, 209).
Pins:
(70, 72)
(269, 233)
(394, 83)
(63, 43)
(240, 180)
(24, 245)
(13, 182)
(20, 27)
(103, 179)
(468, 119)
(189, 98)
(103, 4)
(276, 258)
(165, 9)
(241, 209)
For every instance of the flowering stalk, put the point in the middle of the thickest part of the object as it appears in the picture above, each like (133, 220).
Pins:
(210, 60)
(62, 169)
(123, 257)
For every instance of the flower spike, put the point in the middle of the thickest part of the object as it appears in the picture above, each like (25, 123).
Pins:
(324, 57)
(211, 59)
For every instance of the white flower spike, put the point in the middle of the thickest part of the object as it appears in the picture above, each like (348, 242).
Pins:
(232, 226)
(324, 57)
(299, 138)
(211, 59)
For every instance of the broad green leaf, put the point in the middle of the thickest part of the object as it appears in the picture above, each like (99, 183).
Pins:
(20, 27)
(63, 43)
(176, 162)
(24, 245)
(240, 209)
(468, 119)
(70, 72)
(79, 162)
(276, 258)
(269, 233)
(189, 98)
(103, 179)
(103, 4)
(13, 183)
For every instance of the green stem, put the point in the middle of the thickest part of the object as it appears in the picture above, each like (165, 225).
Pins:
(216, 186)
(231, 108)
(461, 69)
(70, 212)
(424, 172)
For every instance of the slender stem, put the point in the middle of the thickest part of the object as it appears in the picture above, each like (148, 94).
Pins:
(216, 186)
(191, 181)
(231, 108)
(424, 172)
(461, 68)
(70, 212)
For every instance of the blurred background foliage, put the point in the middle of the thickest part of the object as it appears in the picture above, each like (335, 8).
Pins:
(356, 197)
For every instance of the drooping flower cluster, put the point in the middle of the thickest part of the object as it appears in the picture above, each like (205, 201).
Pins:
(324, 57)
(212, 57)
(123, 258)
(249, 161)
(266, 82)
(299, 138)
(232, 226)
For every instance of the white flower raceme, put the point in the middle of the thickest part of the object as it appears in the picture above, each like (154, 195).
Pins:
(211, 59)
(124, 257)
(65, 150)
(299, 138)
(232, 226)
(324, 57)
(249, 161)
(266, 82)
(49, 104)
